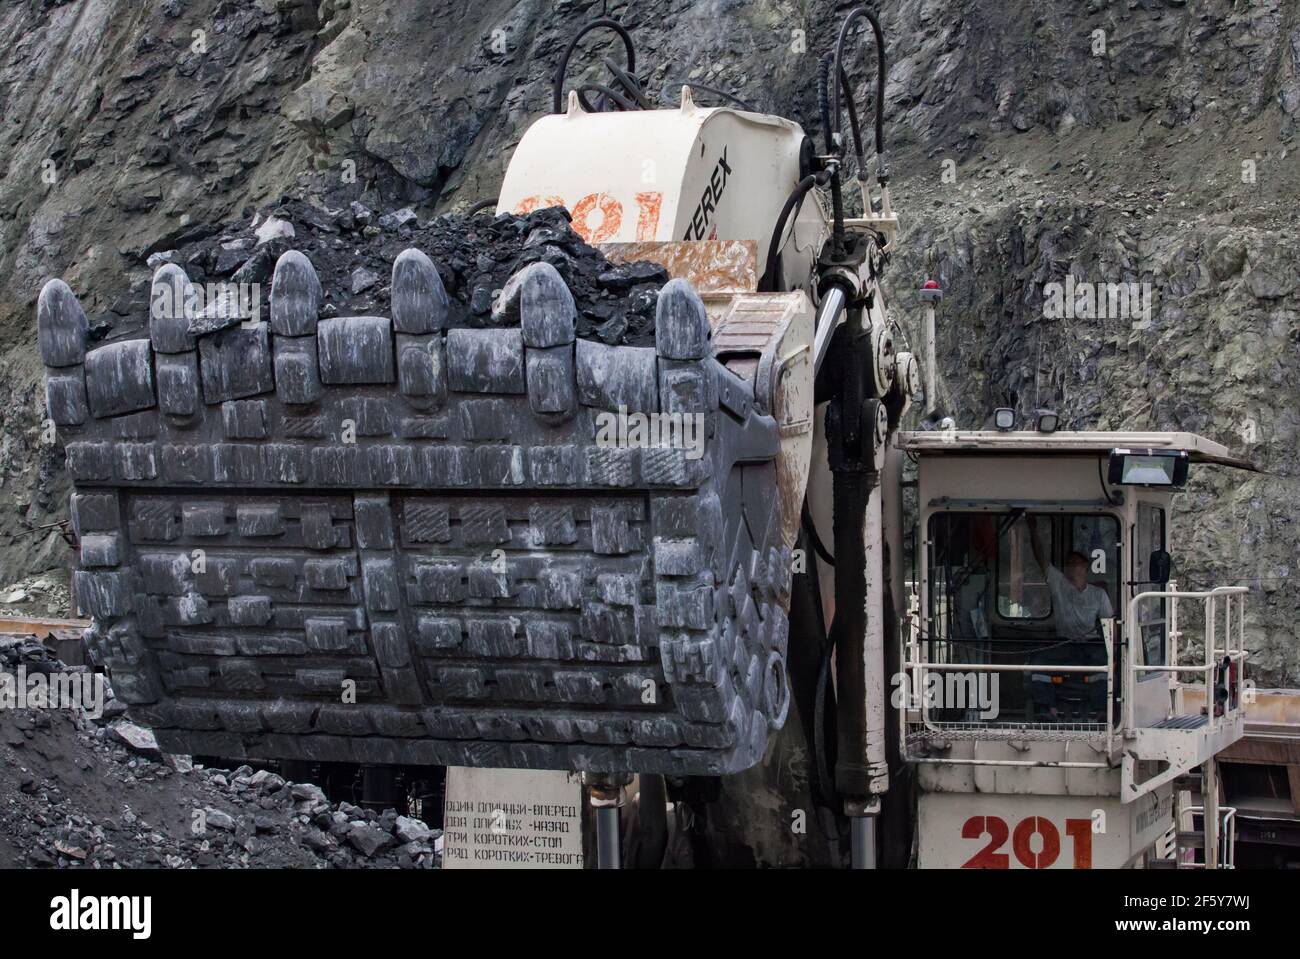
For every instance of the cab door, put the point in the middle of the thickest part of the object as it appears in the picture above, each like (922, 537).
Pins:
(1149, 631)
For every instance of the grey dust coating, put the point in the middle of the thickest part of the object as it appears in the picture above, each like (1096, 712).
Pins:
(275, 512)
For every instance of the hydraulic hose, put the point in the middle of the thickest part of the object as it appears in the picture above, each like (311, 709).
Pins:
(855, 127)
(832, 150)
(770, 278)
(824, 102)
(815, 540)
(838, 76)
(557, 90)
(609, 93)
(743, 104)
(624, 89)
(628, 82)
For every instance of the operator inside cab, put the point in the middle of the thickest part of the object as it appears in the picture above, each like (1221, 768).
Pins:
(1077, 609)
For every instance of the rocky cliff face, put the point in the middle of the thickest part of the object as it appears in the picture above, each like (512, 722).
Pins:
(1145, 141)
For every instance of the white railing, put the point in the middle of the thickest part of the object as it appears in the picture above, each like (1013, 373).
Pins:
(1227, 838)
(1229, 643)
(1233, 649)
(915, 668)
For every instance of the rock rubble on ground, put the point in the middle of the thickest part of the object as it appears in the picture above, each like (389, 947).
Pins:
(77, 792)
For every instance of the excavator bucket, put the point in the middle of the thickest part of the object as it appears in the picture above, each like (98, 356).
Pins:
(379, 540)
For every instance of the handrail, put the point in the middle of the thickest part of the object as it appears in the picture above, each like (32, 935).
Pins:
(1230, 646)
(1227, 835)
(921, 666)
(1209, 598)
(912, 661)
(1012, 667)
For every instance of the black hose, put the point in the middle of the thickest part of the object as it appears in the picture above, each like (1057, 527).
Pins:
(744, 105)
(481, 205)
(608, 93)
(557, 90)
(855, 127)
(818, 546)
(832, 150)
(823, 100)
(628, 82)
(854, 15)
(774, 248)
(837, 215)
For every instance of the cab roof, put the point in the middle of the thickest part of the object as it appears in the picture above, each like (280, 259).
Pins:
(1065, 443)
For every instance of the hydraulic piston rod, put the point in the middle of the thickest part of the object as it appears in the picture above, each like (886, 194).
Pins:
(829, 317)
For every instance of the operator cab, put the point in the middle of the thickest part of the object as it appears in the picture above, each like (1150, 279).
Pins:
(1043, 653)
(1042, 656)
(1032, 548)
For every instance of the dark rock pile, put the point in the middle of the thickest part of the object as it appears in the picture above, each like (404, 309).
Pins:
(77, 792)
(353, 250)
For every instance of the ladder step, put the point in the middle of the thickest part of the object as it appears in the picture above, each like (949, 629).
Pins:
(1190, 840)
(1162, 864)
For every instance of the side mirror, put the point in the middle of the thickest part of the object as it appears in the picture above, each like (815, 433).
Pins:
(1160, 567)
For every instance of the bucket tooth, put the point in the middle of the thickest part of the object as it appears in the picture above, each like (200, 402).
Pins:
(420, 307)
(688, 375)
(60, 325)
(171, 305)
(546, 308)
(547, 313)
(419, 299)
(681, 323)
(295, 296)
(171, 298)
(61, 333)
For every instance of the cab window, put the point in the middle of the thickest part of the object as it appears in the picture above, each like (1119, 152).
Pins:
(990, 601)
(1022, 584)
(1148, 537)
(983, 566)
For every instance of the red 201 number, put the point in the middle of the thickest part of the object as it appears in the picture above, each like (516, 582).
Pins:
(1079, 832)
(597, 217)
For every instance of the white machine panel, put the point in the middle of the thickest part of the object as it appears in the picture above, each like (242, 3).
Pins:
(990, 831)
